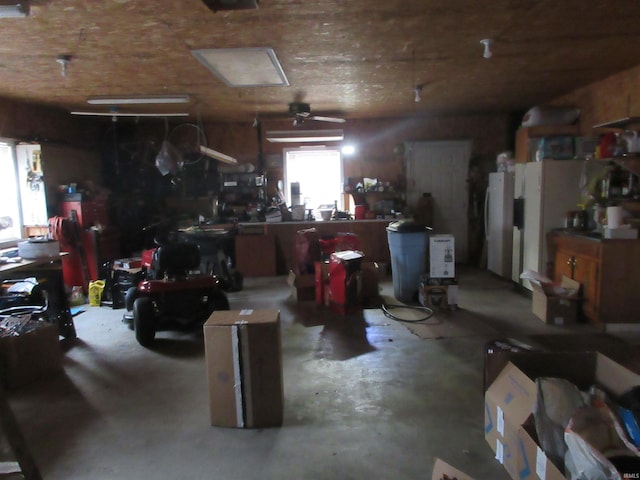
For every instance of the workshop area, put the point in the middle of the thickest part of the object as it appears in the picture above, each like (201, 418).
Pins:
(266, 239)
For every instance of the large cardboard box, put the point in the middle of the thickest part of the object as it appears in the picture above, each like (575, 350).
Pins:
(30, 356)
(556, 305)
(243, 353)
(511, 397)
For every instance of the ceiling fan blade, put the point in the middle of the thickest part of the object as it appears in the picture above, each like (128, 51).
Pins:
(326, 119)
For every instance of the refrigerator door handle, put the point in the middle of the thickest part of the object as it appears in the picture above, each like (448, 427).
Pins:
(486, 214)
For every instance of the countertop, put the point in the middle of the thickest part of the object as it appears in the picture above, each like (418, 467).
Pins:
(589, 235)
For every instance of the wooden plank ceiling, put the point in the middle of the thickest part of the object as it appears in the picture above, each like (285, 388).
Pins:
(354, 58)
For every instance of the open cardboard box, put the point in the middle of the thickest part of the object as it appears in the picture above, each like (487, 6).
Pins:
(443, 471)
(510, 400)
(556, 304)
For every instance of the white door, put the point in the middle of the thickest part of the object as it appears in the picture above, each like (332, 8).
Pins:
(441, 168)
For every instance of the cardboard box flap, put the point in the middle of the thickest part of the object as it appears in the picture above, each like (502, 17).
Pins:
(514, 393)
(237, 317)
(613, 377)
(443, 471)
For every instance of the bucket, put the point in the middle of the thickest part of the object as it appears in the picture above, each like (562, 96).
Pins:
(95, 292)
(408, 253)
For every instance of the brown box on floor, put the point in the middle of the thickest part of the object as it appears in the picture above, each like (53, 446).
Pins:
(303, 286)
(244, 368)
(30, 356)
(556, 304)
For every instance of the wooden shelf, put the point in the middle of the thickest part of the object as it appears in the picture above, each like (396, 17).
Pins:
(620, 123)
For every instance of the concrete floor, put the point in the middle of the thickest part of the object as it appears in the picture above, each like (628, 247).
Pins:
(364, 397)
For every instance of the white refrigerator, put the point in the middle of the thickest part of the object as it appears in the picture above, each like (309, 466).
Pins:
(550, 188)
(498, 222)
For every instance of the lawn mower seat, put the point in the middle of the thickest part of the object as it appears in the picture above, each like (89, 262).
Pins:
(177, 259)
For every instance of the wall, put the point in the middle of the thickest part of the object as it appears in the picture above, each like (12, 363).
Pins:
(378, 142)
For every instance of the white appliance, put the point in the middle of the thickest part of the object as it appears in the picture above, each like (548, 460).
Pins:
(550, 188)
(498, 222)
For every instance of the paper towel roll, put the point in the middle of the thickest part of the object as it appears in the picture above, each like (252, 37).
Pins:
(614, 217)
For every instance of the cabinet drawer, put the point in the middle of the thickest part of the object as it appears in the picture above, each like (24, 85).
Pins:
(578, 246)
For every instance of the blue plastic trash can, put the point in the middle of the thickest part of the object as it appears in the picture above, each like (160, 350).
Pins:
(407, 248)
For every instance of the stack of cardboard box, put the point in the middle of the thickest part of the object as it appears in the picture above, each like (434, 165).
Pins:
(512, 395)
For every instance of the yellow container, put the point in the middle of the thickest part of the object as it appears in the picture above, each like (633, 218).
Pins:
(95, 292)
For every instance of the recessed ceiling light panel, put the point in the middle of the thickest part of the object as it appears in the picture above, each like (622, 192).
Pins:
(244, 67)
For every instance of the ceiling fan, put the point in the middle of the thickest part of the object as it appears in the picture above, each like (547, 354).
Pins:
(301, 111)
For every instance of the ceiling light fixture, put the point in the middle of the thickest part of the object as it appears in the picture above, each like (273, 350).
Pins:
(138, 100)
(417, 89)
(128, 114)
(14, 9)
(244, 67)
(302, 136)
(487, 42)
(64, 61)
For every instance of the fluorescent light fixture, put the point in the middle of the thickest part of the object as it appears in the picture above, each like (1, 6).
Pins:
(14, 9)
(244, 67)
(300, 136)
(210, 152)
(133, 114)
(136, 100)
(216, 5)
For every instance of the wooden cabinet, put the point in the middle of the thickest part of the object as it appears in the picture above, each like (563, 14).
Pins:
(608, 272)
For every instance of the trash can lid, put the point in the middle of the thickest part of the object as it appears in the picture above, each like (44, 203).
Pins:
(407, 226)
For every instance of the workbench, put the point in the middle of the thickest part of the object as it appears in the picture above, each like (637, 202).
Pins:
(281, 236)
(48, 271)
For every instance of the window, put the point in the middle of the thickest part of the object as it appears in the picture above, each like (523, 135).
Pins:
(10, 218)
(313, 177)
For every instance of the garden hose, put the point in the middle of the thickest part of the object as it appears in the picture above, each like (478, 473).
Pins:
(386, 309)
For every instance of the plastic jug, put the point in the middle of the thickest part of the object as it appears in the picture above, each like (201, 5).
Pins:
(95, 292)
(633, 143)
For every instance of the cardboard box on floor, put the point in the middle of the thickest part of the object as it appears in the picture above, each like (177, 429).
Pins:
(556, 304)
(510, 400)
(303, 287)
(443, 471)
(243, 354)
(30, 356)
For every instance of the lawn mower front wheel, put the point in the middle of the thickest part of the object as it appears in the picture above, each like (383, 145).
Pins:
(143, 321)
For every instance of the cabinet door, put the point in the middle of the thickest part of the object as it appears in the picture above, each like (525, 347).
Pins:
(585, 271)
(563, 265)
